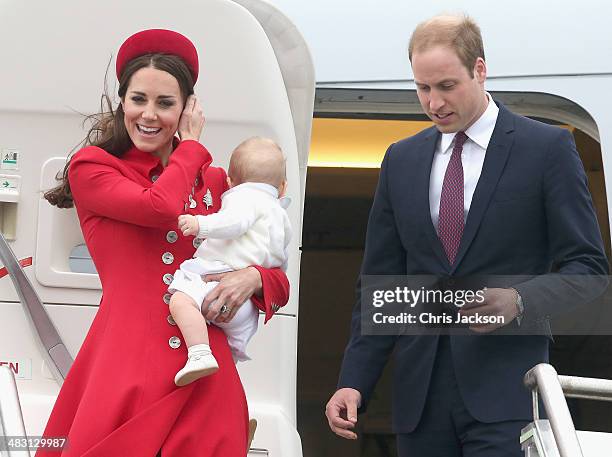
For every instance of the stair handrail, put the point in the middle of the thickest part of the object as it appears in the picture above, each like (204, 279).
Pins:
(11, 417)
(55, 353)
(543, 381)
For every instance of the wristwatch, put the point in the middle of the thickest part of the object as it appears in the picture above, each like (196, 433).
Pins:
(519, 306)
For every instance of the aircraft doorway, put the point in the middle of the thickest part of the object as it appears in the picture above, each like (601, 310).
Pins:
(342, 176)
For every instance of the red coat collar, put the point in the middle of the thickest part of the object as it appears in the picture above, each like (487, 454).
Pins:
(146, 163)
(142, 162)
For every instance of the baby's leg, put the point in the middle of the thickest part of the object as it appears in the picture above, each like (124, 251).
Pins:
(241, 329)
(200, 361)
(189, 319)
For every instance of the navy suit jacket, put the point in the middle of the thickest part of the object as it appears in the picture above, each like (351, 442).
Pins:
(531, 209)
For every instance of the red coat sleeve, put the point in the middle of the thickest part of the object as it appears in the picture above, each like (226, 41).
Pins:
(275, 291)
(104, 185)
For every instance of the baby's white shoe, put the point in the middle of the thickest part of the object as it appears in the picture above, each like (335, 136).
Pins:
(200, 363)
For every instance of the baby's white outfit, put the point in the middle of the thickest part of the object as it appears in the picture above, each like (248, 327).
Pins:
(251, 228)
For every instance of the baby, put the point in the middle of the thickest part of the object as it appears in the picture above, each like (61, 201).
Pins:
(251, 228)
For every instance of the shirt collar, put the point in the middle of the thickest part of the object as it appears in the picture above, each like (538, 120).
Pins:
(260, 186)
(479, 132)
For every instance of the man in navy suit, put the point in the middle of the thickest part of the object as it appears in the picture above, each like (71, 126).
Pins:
(483, 192)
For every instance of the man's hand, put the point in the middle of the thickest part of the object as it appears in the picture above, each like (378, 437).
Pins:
(497, 302)
(341, 412)
(234, 288)
(188, 224)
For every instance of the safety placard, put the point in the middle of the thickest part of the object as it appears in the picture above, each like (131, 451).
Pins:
(9, 188)
(10, 159)
(9, 182)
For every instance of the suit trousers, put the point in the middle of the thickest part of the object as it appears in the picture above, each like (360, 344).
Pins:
(448, 429)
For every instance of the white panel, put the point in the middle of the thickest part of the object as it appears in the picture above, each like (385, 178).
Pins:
(368, 39)
(56, 135)
(595, 444)
(273, 350)
(58, 233)
(17, 342)
(275, 433)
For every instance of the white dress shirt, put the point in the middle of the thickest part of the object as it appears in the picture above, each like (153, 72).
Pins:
(472, 158)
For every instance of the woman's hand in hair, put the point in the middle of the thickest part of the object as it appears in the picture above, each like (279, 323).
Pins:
(191, 122)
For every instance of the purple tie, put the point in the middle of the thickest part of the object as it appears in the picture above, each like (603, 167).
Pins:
(450, 220)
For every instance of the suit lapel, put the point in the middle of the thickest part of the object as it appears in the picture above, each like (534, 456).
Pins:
(426, 154)
(493, 166)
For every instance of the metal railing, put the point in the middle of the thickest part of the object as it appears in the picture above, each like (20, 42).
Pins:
(54, 351)
(11, 418)
(586, 388)
(545, 383)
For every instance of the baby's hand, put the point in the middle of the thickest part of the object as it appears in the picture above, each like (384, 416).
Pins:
(188, 224)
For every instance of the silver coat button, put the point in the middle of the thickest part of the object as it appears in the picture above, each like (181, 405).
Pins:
(168, 279)
(275, 307)
(174, 342)
(197, 242)
(171, 236)
(170, 320)
(167, 258)
(167, 298)
(154, 178)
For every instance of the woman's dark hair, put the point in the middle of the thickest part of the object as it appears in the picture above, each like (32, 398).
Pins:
(108, 130)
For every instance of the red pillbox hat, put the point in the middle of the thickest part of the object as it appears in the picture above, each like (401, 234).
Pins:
(158, 41)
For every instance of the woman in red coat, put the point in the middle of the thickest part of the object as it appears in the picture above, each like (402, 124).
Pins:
(129, 186)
